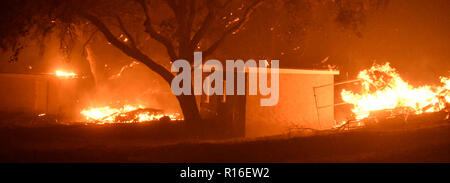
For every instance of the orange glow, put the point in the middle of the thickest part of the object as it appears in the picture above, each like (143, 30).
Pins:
(383, 88)
(125, 114)
(60, 73)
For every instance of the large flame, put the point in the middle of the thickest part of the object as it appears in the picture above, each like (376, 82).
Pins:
(383, 88)
(60, 73)
(125, 114)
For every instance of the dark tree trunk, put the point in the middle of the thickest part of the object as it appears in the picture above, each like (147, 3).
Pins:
(187, 103)
(189, 108)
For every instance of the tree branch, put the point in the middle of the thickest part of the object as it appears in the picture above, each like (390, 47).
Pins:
(206, 23)
(191, 16)
(87, 41)
(234, 28)
(131, 52)
(202, 30)
(226, 4)
(124, 30)
(173, 5)
(155, 35)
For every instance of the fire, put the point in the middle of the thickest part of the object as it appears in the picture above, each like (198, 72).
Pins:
(383, 88)
(126, 114)
(60, 73)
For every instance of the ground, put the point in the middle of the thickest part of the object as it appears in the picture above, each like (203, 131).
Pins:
(163, 143)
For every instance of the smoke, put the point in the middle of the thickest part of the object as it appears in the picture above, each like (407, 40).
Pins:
(135, 84)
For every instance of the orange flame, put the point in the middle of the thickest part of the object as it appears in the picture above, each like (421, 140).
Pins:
(125, 114)
(60, 73)
(383, 88)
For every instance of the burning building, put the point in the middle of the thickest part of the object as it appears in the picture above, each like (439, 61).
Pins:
(54, 94)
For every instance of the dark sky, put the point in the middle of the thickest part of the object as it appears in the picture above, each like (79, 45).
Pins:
(413, 35)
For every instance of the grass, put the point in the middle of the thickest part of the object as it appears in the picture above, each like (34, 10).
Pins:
(169, 143)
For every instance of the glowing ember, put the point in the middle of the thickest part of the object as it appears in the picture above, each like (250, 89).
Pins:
(383, 88)
(65, 74)
(126, 114)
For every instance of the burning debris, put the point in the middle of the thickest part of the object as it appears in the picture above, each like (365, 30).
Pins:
(64, 74)
(385, 94)
(127, 114)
